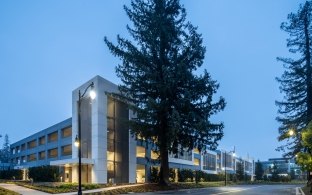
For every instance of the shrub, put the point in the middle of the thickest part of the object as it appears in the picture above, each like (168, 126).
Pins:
(154, 177)
(11, 174)
(203, 176)
(285, 178)
(212, 177)
(234, 178)
(247, 177)
(185, 175)
(172, 175)
(44, 173)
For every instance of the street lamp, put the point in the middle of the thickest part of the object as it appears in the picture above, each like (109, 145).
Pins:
(233, 151)
(76, 141)
(92, 95)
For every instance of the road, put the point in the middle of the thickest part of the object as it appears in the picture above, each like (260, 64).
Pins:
(238, 190)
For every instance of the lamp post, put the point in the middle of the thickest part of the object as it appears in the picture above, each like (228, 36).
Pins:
(233, 151)
(78, 137)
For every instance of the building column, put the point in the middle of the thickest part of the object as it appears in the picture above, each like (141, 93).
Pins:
(99, 134)
(132, 155)
(74, 174)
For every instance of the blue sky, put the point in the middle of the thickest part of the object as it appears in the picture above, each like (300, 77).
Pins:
(48, 48)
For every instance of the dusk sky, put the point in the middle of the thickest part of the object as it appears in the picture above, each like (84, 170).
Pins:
(49, 48)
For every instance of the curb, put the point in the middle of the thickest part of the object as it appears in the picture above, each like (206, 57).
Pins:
(299, 191)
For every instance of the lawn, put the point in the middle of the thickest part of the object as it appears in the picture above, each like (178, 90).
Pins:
(7, 192)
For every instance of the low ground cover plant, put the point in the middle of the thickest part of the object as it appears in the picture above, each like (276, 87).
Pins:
(57, 187)
(7, 192)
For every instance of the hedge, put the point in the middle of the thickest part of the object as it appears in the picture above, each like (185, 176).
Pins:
(44, 173)
(11, 174)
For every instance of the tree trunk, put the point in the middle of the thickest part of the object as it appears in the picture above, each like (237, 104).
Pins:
(164, 169)
(164, 159)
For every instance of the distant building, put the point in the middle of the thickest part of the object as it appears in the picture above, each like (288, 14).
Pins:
(109, 152)
(285, 166)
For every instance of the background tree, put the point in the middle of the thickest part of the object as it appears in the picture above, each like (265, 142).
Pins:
(240, 171)
(274, 171)
(259, 170)
(295, 111)
(292, 174)
(304, 159)
(5, 151)
(172, 104)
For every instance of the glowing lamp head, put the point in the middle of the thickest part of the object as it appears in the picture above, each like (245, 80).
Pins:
(291, 132)
(92, 94)
(76, 141)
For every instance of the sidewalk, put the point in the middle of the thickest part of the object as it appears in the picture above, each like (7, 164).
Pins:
(27, 191)
(299, 191)
(21, 190)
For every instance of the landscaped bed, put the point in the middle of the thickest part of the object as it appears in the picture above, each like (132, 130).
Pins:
(7, 192)
(55, 188)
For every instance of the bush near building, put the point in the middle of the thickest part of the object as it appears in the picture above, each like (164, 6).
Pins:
(205, 177)
(11, 174)
(188, 175)
(185, 175)
(154, 177)
(277, 178)
(44, 173)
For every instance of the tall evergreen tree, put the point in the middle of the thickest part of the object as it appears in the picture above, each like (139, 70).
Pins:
(240, 170)
(172, 104)
(295, 110)
(259, 170)
(5, 152)
(274, 170)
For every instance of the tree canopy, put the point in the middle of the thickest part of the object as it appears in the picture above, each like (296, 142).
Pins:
(172, 102)
(304, 159)
(5, 151)
(259, 170)
(295, 110)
